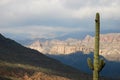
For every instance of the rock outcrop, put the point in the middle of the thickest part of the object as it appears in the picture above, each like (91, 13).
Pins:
(37, 46)
(109, 46)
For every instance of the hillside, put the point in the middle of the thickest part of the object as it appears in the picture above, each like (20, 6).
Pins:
(17, 61)
(75, 52)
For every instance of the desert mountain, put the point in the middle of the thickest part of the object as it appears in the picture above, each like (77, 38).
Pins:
(75, 52)
(109, 46)
(18, 62)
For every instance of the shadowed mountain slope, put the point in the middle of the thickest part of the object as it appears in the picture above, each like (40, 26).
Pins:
(16, 60)
(79, 61)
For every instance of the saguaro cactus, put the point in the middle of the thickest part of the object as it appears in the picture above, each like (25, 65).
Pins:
(98, 64)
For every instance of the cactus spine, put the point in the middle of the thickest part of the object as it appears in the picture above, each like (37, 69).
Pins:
(98, 63)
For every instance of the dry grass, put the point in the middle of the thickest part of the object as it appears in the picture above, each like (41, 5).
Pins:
(43, 76)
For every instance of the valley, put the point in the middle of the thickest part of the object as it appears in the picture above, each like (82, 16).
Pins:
(59, 40)
(75, 52)
(58, 59)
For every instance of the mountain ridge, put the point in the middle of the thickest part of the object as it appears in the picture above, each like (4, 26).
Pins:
(109, 43)
(14, 57)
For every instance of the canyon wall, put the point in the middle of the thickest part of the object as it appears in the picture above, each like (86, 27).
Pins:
(109, 46)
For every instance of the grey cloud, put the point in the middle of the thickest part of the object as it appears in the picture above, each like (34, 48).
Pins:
(77, 4)
(17, 16)
(40, 31)
(19, 10)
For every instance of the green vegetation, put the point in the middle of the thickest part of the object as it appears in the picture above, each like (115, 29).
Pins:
(98, 63)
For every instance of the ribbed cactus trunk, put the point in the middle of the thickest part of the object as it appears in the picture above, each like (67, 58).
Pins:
(96, 51)
(98, 64)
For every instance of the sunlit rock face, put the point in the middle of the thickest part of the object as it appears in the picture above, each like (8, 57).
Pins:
(37, 46)
(109, 46)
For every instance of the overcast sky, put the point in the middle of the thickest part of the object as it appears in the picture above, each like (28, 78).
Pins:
(50, 18)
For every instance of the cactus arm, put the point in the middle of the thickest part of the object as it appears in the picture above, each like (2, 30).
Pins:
(101, 64)
(90, 64)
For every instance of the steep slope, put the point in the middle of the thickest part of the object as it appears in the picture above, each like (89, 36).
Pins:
(16, 60)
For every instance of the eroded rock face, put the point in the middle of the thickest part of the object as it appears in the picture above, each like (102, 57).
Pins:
(37, 46)
(109, 46)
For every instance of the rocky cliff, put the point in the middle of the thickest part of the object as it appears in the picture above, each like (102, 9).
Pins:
(109, 46)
